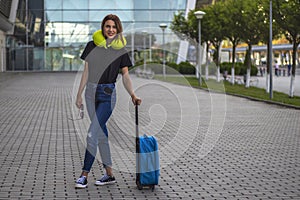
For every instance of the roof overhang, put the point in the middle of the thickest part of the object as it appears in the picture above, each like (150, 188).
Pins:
(5, 24)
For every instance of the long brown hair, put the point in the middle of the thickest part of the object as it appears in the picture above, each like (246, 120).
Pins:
(118, 23)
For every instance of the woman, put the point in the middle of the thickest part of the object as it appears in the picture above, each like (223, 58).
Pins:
(104, 57)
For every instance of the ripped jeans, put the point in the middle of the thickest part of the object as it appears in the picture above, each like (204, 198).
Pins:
(100, 101)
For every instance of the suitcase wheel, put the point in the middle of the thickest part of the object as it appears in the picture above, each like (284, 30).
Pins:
(153, 187)
(139, 186)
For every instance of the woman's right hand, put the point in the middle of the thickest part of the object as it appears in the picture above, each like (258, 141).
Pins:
(136, 100)
(78, 101)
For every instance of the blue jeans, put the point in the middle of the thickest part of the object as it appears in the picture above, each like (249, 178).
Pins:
(100, 101)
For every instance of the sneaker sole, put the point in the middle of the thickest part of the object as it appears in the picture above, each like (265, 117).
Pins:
(106, 183)
(79, 186)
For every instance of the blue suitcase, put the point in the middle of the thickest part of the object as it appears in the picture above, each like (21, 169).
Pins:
(147, 159)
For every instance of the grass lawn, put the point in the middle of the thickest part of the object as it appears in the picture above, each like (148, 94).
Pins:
(241, 90)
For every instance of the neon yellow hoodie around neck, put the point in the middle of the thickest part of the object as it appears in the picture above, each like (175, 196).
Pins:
(116, 43)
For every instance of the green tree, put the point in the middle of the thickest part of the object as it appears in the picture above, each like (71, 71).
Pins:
(180, 26)
(252, 29)
(233, 21)
(214, 26)
(287, 15)
(187, 28)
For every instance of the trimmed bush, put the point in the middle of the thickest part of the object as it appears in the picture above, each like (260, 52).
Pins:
(239, 68)
(173, 66)
(186, 68)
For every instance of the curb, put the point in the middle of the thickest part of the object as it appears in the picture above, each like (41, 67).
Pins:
(246, 97)
(254, 99)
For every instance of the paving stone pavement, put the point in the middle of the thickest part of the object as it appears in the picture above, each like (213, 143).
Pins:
(212, 146)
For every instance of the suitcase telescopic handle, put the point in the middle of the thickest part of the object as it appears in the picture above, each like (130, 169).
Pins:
(136, 121)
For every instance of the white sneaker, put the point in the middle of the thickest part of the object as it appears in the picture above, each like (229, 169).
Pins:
(105, 180)
(81, 182)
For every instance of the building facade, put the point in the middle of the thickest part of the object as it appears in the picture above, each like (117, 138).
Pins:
(46, 35)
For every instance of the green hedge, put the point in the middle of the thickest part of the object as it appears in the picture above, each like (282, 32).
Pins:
(239, 68)
(174, 67)
(186, 68)
(171, 68)
(183, 67)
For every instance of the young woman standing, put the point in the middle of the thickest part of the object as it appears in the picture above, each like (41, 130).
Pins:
(104, 57)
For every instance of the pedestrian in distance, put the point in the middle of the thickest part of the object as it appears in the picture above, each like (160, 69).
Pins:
(276, 68)
(104, 56)
(261, 71)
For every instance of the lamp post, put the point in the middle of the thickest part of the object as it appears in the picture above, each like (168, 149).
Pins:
(163, 27)
(199, 15)
(270, 52)
(144, 33)
(132, 43)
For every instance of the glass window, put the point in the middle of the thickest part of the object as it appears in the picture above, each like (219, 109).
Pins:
(168, 4)
(111, 4)
(96, 4)
(97, 16)
(94, 26)
(141, 16)
(60, 34)
(124, 4)
(69, 25)
(161, 16)
(125, 16)
(159, 4)
(181, 4)
(54, 16)
(75, 16)
(50, 4)
(38, 58)
(77, 4)
(75, 33)
(54, 60)
(138, 4)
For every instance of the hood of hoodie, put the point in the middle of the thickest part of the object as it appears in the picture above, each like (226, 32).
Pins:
(116, 43)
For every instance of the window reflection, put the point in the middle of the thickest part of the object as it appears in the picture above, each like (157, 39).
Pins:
(51, 35)
(75, 16)
(75, 4)
(50, 4)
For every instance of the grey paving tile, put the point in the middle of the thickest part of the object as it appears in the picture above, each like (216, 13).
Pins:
(255, 155)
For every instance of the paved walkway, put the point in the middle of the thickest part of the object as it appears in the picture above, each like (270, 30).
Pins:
(212, 146)
(281, 84)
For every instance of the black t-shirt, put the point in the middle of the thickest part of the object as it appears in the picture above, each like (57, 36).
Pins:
(104, 64)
